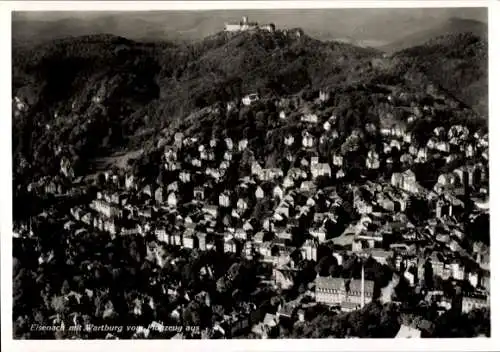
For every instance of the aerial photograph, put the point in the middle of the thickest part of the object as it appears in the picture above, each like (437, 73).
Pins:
(250, 174)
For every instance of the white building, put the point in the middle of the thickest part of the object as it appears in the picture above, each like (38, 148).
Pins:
(249, 99)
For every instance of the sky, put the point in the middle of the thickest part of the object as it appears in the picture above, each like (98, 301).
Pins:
(378, 26)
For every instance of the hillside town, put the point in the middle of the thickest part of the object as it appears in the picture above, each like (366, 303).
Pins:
(318, 228)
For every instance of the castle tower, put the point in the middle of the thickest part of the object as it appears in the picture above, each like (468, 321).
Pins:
(245, 20)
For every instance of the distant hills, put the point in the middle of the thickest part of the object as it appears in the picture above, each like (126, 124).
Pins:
(364, 27)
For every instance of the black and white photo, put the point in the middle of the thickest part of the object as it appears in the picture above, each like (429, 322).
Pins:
(250, 174)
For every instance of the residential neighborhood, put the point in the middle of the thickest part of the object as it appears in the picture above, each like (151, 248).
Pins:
(251, 174)
(311, 212)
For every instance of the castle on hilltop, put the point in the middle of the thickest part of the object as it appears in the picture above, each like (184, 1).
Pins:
(244, 25)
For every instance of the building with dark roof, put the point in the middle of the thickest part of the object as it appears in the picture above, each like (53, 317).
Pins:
(338, 291)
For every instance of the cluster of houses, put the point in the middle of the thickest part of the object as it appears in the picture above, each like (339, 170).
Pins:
(195, 209)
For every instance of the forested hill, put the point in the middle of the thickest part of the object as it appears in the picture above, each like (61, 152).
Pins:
(96, 93)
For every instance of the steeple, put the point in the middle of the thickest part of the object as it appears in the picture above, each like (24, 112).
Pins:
(362, 284)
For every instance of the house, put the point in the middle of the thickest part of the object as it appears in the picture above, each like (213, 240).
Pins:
(432, 143)
(406, 159)
(172, 200)
(386, 132)
(334, 134)
(406, 181)
(283, 233)
(457, 270)
(170, 153)
(270, 174)
(387, 148)
(278, 192)
(249, 99)
(242, 204)
(176, 239)
(282, 279)
(324, 95)
(474, 302)
(105, 208)
(211, 210)
(160, 195)
(196, 162)
(327, 126)
(307, 186)
(288, 182)
(439, 131)
(395, 144)
(470, 150)
(199, 193)
(224, 199)
(338, 160)
(372, 161)
(259, 193)
(413, 150)
(459, 132)
(282, 115)
(230, 106)
(363, 207)
(282, 210)
(296, 174)
(408, 137)
(422, 155)
(309, 250)
(228, 156)
(307, 140)
(229, 246)
(443, 146)
(437, 262)
(172, 166)
(289, 139)
(229, 143)
(321, 169)
(485, 154)
(161, 235)
(397, 131)
(173, 187)
(256, 169)
(448, 179)
(203, 152)
(185, 176)
(309, 118)
(188, 241)
(202, 241)
(318, 233)
(214, 173)
(241, 234)
(242, 144)
(337, 291)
